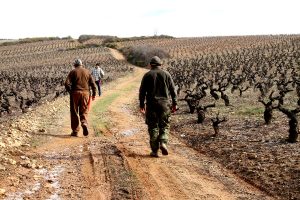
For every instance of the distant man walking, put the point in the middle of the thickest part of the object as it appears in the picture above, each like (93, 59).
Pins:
(78, 84)
(98, 74)
(157, 87)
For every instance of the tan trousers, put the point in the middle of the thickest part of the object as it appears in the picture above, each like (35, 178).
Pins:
(79, 109)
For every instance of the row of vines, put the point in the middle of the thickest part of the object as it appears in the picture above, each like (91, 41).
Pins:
(270, 71)
(35, 72)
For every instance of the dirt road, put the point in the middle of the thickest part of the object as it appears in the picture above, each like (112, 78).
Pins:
(113, 162)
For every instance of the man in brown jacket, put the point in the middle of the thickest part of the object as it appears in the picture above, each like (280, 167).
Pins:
(78, 84)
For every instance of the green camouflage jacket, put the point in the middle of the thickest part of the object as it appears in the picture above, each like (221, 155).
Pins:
(157, 87)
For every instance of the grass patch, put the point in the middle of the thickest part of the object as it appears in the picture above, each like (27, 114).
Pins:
(100, 118)
(102, 104)
(99, 110)
(129, 88)
(252, 111)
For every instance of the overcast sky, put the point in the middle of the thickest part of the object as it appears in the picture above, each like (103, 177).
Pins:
(126, 18)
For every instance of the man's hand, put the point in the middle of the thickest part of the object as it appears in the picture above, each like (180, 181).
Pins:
(93, 98)
(174, 108)
(143, 110)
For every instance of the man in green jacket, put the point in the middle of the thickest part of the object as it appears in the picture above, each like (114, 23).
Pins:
(157, 88)
(78, 84)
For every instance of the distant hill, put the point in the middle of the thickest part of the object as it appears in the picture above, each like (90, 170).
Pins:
(7, 40)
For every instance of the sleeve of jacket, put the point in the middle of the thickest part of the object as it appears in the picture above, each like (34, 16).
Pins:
(102, 72)
(68, 83)
(92, 85)
(142, 93)
(172, 90)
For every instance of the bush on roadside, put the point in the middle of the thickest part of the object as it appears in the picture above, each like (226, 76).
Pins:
(84, 38)
(112, 41)
(141, 55)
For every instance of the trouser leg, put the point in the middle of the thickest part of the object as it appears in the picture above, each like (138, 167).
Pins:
(164, 127)
(83, 107)
(98, 87)
(154, 142)
(153, 130)
(74, 112)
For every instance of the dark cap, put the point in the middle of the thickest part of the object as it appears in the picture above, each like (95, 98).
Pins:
(156, 61)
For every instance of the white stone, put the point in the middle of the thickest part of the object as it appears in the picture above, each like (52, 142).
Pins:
(13, 162)
(2, 191)
(2, 145)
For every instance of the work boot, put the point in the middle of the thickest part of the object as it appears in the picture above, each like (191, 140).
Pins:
(163, 148)
(85, 130)
(154, 154)
(74, 134)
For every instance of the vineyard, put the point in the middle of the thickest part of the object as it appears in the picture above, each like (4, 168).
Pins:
(239, 97)
(32, 73)
(240, 103)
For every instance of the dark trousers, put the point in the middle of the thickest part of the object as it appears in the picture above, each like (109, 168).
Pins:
(98, 83)
(158, 122)
(79, 109)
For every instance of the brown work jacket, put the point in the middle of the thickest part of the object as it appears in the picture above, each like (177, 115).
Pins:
(80, 79)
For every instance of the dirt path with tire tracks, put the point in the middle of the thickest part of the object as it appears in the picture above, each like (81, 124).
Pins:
(116, 164)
